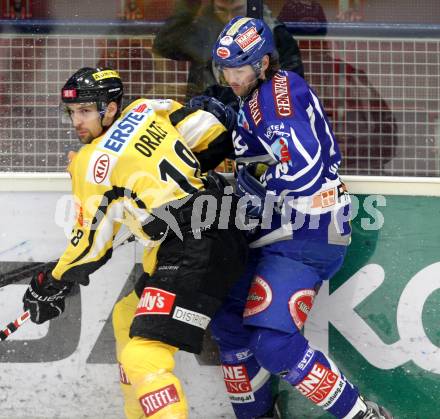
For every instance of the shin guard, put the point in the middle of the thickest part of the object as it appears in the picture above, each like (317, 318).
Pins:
(248, 384)
(311, 372)
(317, 377)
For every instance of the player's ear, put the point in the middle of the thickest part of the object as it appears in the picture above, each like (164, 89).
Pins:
(110, 112)
(265, 62)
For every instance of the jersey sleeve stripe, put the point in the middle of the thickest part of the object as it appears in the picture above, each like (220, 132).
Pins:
(312, 119)
(310, 161)
(178, 116)
(309, 184)
(302, 151)
(108, 199)
(195, 128)
(318, 107)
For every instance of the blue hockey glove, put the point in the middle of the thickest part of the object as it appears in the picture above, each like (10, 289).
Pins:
(248, 185)
(45, 296)
(224, 113)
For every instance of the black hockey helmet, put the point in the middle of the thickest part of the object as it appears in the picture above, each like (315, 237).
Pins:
(97, 85)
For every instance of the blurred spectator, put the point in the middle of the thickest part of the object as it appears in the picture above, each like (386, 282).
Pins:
(133, 60)
(309, 12)
(132, 10)
(191, 32)
(365, 126)
(350, 11)
(17, 9)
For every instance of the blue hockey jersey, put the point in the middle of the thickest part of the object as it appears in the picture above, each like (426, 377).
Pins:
(283, 124)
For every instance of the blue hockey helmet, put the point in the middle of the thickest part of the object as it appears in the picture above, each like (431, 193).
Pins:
(243, 41)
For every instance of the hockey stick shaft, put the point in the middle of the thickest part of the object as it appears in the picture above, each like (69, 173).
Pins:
(14, 325)
(11, 327)
(28, 270)
(24, 272)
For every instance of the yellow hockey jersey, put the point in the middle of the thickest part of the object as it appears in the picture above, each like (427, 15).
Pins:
(144, 160)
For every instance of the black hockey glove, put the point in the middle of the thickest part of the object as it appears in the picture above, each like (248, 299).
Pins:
(45, 296)
(224, 113)
(216, 181)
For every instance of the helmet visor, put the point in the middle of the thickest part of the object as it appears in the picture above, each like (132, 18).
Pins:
(217, 70)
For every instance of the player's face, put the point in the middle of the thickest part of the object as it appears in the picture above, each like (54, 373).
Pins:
(86, 121)
(227, 9)
(241, 79)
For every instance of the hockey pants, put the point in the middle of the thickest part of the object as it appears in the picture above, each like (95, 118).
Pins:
(149, 387)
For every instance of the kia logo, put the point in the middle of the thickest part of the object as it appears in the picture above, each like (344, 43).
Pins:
(101, 167)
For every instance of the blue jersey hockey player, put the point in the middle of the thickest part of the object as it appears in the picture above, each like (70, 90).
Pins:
(287, 162)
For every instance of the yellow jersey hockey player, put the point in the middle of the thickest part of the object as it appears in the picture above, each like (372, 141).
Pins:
(144, 166)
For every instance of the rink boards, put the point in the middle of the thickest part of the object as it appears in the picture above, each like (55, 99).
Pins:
(378, 319)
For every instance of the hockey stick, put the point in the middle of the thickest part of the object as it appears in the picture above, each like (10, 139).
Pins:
(24, 272)
(125, 237)
(13, 326)
(31, 269)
